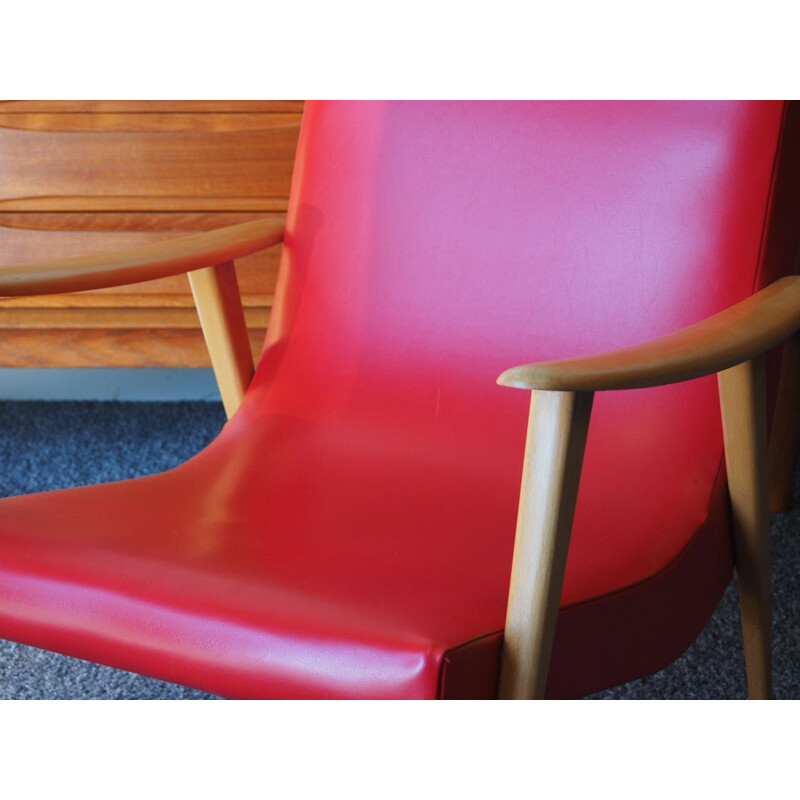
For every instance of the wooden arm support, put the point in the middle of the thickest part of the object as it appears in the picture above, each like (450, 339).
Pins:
(139, 264)
(207, 257)
(731, 344)
(731, 337)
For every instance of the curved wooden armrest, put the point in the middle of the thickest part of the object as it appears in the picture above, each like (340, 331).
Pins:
(143, 263)
(207, 257)
(732, 344)
(738, 334)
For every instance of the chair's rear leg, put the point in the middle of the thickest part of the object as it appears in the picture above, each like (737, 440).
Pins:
(557, 430)
(784, 441)
(742, 392)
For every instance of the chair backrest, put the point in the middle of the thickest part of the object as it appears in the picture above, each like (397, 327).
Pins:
(432, 245)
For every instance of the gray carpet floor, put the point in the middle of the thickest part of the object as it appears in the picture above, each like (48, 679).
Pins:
(47, 446)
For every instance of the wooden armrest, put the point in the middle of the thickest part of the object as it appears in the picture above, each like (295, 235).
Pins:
(207, 257)
(143, 263)
(732, 344)
(738, 334)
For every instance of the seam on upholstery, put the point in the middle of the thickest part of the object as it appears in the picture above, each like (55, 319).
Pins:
(450, 650)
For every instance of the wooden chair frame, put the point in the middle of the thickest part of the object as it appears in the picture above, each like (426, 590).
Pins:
(784, 441)
(731, 344)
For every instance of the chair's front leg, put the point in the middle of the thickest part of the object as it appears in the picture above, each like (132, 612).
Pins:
(556, 440)
(742, 392)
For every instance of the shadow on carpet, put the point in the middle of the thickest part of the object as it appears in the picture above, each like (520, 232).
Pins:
(46, 446)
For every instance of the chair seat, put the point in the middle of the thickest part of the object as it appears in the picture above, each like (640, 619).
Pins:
(361, 557)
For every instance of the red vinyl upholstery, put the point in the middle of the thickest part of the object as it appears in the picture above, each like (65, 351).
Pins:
(349, 534)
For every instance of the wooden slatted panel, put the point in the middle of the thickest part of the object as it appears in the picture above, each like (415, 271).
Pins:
(145, 123)
(82, 177)
(151, 106)
(144, 347)
(167, 159)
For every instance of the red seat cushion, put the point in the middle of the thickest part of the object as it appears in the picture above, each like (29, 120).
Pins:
(256, 570)
(350, 532)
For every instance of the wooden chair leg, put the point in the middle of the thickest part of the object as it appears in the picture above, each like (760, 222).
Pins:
(219, 306)
(784, 441)
(743, 400)
(556, 439)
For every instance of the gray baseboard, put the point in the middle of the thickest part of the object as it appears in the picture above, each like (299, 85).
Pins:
(100, 383)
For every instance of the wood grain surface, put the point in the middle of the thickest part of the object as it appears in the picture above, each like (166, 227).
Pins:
(90, 177)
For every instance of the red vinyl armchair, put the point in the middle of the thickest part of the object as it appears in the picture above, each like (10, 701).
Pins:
(351, 532)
